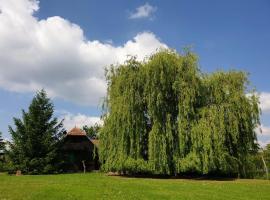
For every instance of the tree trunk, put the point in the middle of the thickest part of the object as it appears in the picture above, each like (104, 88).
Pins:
(84, 167)
(266, 169)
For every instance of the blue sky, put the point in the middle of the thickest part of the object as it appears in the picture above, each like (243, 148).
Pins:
(40, 45)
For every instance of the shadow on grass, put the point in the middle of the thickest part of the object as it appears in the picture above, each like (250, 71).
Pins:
(187, 177)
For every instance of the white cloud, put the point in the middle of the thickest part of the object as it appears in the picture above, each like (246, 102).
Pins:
(264, 98)
(265, 101)
(144, 11)
(263, 130)
(263, 143)
(54, 54)
(263, 133)
(78, 120)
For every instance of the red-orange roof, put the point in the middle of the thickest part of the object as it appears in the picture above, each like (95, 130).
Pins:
(76, 132)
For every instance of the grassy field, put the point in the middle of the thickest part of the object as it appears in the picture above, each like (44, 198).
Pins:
(101, 186)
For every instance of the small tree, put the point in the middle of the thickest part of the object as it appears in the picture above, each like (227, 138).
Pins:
(92, 131)
(267, 154)
(266, 159)
(2, 143)
(2, 149)
(35, 139)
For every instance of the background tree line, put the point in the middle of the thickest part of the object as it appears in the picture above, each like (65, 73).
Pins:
(92, 131)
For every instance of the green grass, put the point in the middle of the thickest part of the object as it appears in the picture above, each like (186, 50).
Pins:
(100, 186)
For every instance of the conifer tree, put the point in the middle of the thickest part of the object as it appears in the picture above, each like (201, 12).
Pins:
(34, 146)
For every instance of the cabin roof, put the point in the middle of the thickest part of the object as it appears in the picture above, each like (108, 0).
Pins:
(79, 132)
(76, 132)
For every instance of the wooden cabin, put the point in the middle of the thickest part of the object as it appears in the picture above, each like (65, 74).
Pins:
(79, 151)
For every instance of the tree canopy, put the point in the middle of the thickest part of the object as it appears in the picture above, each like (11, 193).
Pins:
(2, 143)
(266, 154)
(35, 138)
(92, 131)
(164, 116)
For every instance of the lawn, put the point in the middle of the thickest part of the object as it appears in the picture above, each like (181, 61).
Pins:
(100, 186)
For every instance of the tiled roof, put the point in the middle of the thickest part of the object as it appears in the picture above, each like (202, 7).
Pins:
(76, 132)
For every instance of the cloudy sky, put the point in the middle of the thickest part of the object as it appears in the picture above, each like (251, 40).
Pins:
(64, 46)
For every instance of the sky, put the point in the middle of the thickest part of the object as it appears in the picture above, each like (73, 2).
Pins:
(64, 46)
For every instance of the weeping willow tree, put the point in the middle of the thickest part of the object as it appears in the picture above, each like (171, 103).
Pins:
(164, 116)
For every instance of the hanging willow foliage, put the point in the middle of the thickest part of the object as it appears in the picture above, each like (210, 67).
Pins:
(163, 116)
